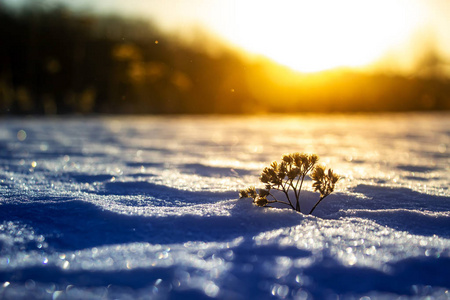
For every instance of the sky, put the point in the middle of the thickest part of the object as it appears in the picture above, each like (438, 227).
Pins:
(307, 36)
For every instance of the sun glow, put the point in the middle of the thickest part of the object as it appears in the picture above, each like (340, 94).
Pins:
(312, 36)
(306, 35)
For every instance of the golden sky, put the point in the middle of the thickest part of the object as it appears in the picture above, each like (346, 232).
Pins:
(318, 35)
(307, 36)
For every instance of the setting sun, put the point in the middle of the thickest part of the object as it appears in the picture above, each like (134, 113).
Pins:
(312, 36)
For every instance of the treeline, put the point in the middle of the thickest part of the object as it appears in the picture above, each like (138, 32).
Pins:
(55, 61)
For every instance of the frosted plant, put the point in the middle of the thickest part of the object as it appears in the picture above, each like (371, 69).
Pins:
(288, 176)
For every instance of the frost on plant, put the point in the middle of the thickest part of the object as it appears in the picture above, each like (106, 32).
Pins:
(288, 176)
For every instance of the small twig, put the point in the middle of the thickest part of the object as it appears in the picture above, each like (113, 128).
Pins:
(314, 207)
(287, 196)
(278, 201)
(300, 190)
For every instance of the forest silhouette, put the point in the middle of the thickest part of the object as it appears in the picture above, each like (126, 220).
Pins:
(56, 61)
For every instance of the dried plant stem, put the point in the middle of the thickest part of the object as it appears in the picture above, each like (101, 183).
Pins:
(286, 192)
(275, 200)
(299, 191)
(314, 207)
(278, 201)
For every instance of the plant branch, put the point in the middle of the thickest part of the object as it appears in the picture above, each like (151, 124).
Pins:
(287, 196)
(314, 207)
(300, 190)
(278, 201)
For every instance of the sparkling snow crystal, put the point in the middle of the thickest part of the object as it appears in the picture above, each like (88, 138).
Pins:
(147, 207)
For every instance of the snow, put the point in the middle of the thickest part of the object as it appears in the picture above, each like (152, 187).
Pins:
(147, 208)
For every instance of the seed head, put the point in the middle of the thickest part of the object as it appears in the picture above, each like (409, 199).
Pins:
(324, 182)
(294, 172)
(261, 201)
(263, 193)
(287, 158)
(318, 173)
(313, 158)
(243, 194)
(265, 177)
(251, 191)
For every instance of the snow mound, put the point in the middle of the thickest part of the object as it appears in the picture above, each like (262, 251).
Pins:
(130, 208)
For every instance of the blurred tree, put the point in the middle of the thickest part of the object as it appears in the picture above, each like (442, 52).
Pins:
(53, 60)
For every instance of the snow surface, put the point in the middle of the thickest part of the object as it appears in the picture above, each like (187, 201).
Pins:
(146, 207)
